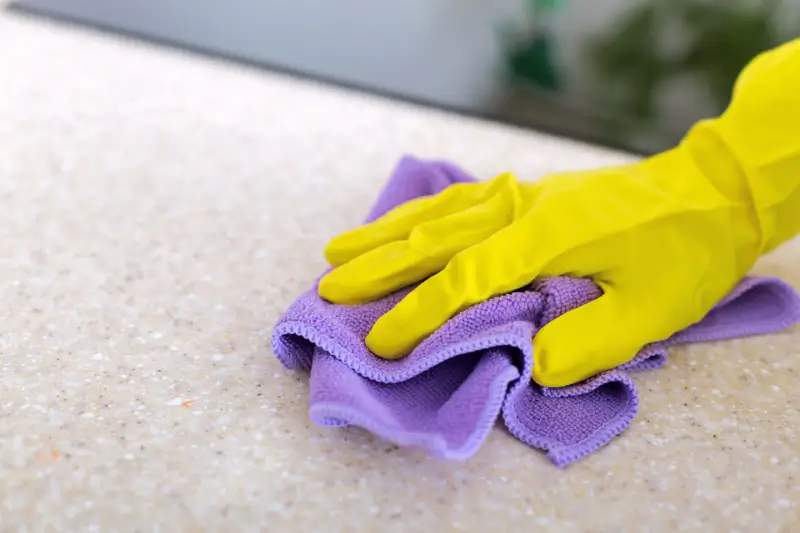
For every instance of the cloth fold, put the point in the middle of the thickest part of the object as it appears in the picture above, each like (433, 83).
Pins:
(447, 394)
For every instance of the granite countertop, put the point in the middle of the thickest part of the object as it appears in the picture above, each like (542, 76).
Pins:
(160, 211)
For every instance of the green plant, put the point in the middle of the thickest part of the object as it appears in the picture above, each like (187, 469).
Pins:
(725, 40)
(628, 66)
(530, 51)
(631, 62)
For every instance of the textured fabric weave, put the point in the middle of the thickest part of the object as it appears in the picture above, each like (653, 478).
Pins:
(447, 394)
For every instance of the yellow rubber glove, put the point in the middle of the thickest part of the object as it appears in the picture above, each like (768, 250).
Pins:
(665, 238)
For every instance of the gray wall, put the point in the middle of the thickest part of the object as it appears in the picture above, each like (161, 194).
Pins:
(444, 50)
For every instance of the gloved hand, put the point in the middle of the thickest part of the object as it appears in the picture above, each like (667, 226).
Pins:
(665, 238)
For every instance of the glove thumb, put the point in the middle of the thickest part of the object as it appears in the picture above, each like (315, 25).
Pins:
(585, 341)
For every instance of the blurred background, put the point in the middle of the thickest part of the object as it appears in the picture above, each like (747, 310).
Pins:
(631, 74)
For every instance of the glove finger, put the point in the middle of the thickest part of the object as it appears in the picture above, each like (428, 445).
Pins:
(447, 236)
(377, 273)
(595, 337)
(398, 223)
(494, 266)
(401, 263)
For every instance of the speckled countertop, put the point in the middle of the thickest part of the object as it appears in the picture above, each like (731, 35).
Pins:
(160, 211)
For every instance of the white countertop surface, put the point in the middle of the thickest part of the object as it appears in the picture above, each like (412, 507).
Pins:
(158, 213)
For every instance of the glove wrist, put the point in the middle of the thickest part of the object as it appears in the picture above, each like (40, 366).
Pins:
(706, 146)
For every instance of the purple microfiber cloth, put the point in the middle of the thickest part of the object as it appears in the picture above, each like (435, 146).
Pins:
(447, 394)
